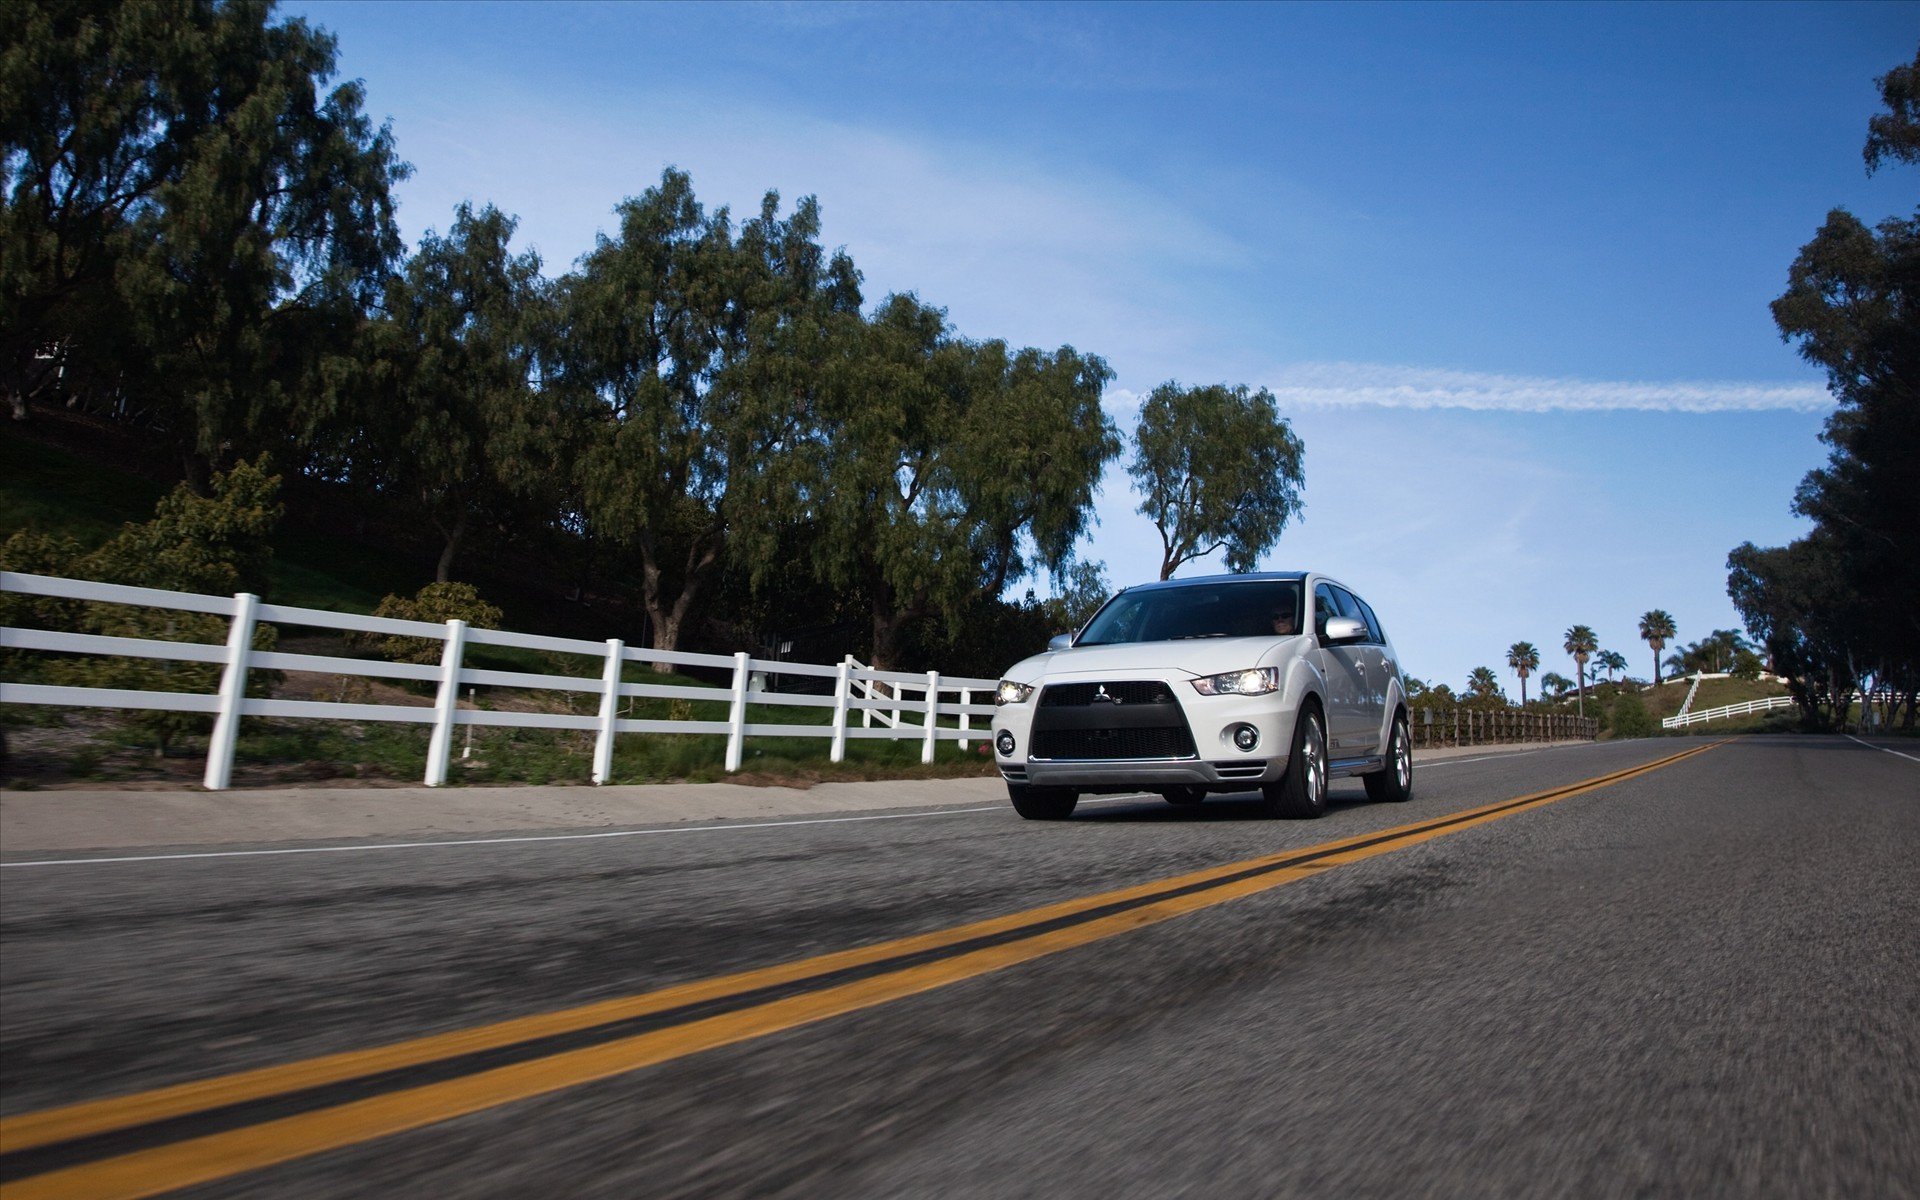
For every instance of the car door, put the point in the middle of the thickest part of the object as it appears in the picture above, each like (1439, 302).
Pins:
(1376, 668)
(1344, 669)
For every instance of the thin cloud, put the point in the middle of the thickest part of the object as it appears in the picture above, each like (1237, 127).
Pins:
(1370, 385)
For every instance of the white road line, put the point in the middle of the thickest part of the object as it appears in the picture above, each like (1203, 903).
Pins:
(1461, 762)
(1884, 750)
(504, 841)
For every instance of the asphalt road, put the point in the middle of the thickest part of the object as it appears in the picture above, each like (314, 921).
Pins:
(1699, 980)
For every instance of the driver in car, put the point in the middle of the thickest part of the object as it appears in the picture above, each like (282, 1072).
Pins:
(1283, 623)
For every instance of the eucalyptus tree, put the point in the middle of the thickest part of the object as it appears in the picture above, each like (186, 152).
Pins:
(1852, 306)
(1580, 643)
(685, 379)
(945, 469)
(1656, 630)
(1218, 468)
(455, 351)
(1524, 659)
(193, 223)
(1798, 601)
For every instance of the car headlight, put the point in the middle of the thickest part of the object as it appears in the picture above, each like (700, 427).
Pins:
(1256, 681)
(1010, 692)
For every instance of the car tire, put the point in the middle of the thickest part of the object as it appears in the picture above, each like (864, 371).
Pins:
(1183, 795)
(1301, 794)
(1394, 784)
(1042, 803)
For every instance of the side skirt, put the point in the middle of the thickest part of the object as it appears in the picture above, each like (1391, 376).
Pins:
(1340, 768)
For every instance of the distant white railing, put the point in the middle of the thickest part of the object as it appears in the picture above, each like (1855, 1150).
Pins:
(1726, 710)
(1687, 704)
(902, 717)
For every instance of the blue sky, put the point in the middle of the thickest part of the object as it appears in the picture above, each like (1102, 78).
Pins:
(1507, 267)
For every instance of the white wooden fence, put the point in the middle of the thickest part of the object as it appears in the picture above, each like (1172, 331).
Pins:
(1765, 704)
(854, 688)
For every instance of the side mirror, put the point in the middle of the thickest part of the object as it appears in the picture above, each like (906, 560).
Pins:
(1344, 629)
(1060, 641)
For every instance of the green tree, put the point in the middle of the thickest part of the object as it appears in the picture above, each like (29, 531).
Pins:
(1218, 468)
(192, 222)
(1483, 686)
(685, 380)
(1556, 683)
(1611, 661)
(1656, 630)
(1524, 659)
(456, 352)
(1798, 601)
(1852, 306)
(1580, 643)
(947, 469)
(1080, 590)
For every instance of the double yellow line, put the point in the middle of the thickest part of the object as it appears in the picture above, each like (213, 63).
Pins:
(843, 982)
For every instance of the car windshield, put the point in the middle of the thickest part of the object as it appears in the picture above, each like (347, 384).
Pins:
(1249, 608)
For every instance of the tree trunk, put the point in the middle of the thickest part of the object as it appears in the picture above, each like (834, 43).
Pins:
(443, 569)
(669, 618)
(887, 626)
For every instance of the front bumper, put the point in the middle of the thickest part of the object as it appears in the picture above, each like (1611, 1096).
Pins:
(1216, 763)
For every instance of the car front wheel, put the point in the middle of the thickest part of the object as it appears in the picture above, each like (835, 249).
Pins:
(1301, 794)
(1042, 803)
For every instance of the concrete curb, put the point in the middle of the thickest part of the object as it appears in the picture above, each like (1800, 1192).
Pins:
(34, 822)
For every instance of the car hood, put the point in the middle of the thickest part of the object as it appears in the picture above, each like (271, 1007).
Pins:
(1193, 656)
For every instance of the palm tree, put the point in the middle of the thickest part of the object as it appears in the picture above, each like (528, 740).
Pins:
(1611, 661)
(1656, 628)
(1581, 643)
(1555, 682)
(1525, 660)
(1483, 684)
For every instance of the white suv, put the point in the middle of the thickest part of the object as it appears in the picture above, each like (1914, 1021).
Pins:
(1227, 683)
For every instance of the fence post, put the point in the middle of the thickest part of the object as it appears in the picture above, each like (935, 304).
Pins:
(609, 711)
(233, 692)
(842, 692)
(966, 718)
(440, 745)
(737, 713)
(933, 715)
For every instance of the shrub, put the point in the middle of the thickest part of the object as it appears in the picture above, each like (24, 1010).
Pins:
(1630, 719)
(213, 545)
(436, 604)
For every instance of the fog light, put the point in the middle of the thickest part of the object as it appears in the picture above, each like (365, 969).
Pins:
(1004, 744)
(1245, 738)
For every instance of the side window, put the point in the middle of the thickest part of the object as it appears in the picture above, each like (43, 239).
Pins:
(1350, 606)
(1323, 607)
(1373, 622)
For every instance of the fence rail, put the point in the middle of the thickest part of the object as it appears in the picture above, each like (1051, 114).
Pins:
(1765, 704)
(908, 706)
(1484, 727)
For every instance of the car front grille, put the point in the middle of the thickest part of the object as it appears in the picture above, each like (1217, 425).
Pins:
(1156, 742)
(1130, 691)
(1128, 718)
